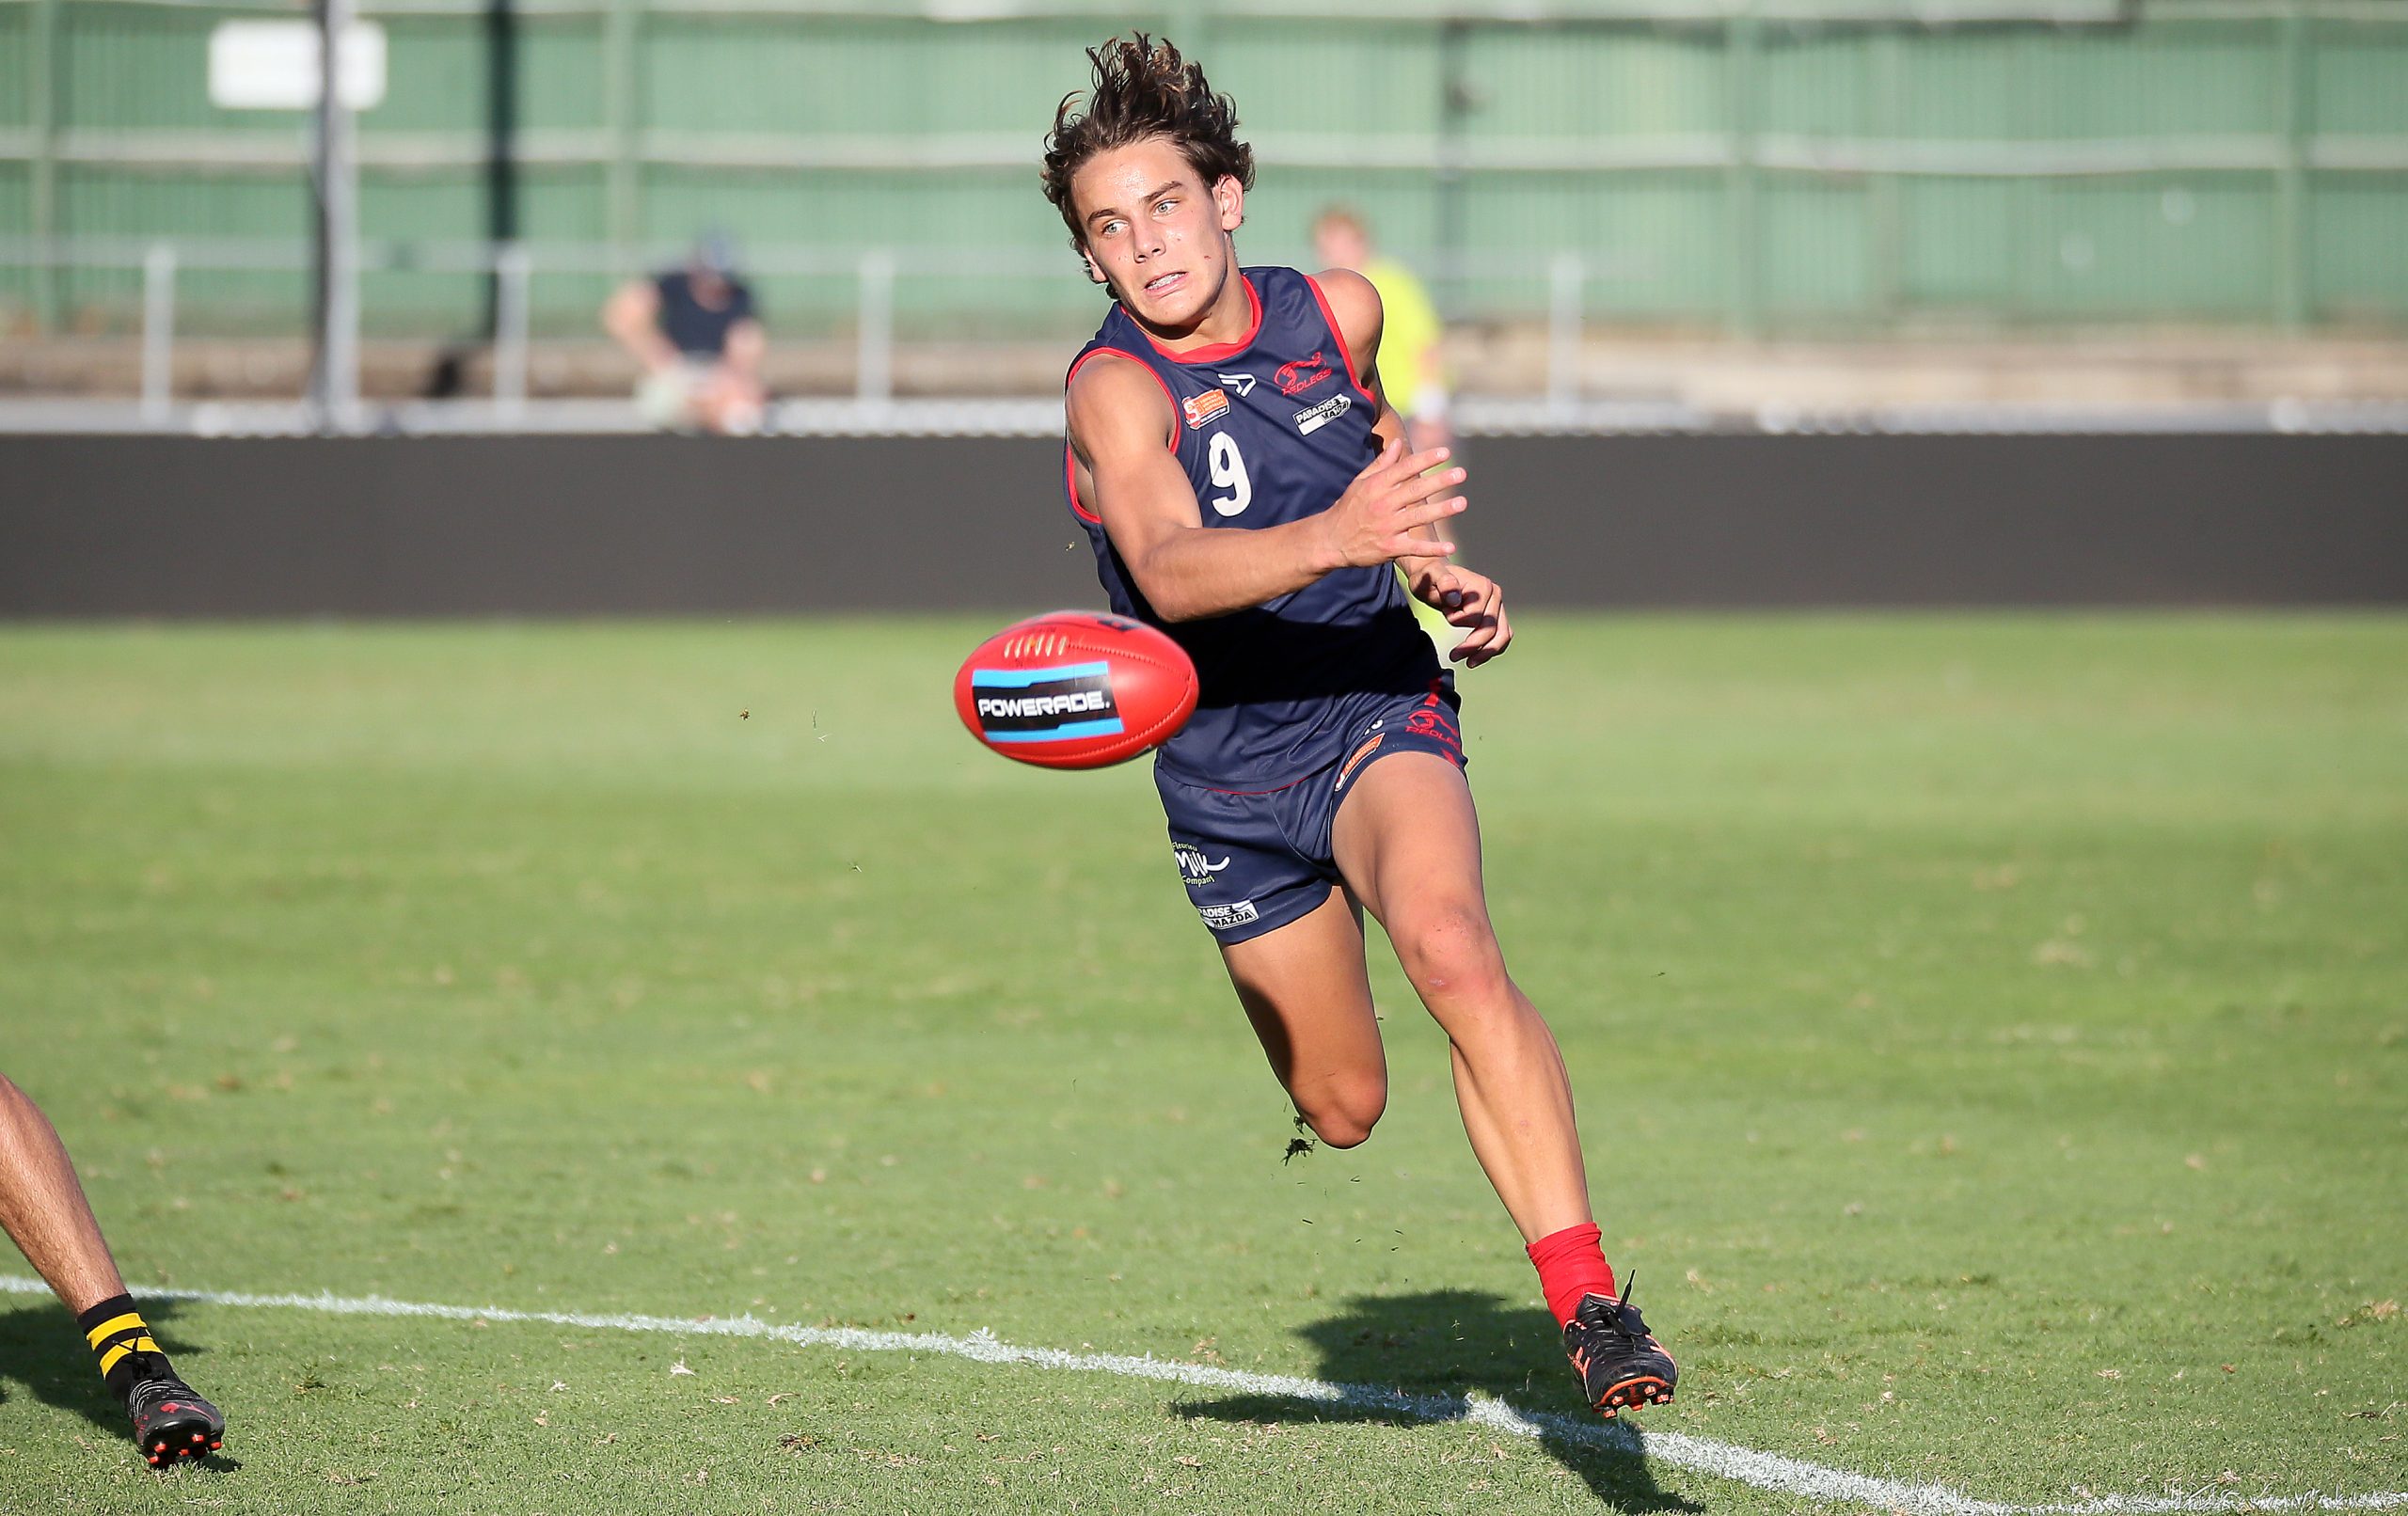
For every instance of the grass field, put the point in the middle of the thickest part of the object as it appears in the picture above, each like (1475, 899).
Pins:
(1991, 1037)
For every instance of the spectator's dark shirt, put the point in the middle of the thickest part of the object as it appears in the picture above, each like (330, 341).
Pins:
(694, 329)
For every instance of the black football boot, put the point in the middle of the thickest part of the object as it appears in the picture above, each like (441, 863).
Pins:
(1620, 1365)
(170, 1422)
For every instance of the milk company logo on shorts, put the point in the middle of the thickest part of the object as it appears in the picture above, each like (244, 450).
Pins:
(1195, 869)
(1204, 407)
(1313, 417)
(1297, 377)
(1221, 918)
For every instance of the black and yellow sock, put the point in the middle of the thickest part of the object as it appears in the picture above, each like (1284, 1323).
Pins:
(115, 1331)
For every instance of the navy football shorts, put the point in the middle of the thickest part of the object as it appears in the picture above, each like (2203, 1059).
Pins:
(1252, 861)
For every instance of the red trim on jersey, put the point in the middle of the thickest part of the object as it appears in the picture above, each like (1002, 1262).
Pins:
(1070, 484)
(1339, 332)
(1069, 458)
(1219, 350)
(1170, 439)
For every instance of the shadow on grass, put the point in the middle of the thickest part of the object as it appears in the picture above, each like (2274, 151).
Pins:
(42, 1354)
(1421, 1359)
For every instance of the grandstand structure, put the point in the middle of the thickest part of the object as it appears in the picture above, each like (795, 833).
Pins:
(1697, 171)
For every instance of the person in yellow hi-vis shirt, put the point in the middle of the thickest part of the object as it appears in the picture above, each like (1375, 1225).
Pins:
(1413, 358)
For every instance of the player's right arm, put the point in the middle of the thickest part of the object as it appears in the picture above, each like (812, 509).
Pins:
(1121, 425)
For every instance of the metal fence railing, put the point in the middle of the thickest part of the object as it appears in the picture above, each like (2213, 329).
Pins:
(887, 295)
(880, 280)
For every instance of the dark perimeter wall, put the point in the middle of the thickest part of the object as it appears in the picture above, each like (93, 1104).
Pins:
(600, 525)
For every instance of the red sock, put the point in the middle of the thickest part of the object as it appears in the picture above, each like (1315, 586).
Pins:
(1571, 1265)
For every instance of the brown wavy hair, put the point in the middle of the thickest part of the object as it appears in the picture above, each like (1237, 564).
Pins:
(1143, 88)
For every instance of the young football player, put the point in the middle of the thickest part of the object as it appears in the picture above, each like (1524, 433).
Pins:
(1246, 489)
(43, 1210)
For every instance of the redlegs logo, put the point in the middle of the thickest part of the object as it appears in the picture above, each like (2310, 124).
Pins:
(1297, 377)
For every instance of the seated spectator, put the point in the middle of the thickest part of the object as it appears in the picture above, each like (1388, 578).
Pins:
(700, 342)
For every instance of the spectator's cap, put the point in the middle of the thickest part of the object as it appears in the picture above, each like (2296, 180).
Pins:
(715, 252)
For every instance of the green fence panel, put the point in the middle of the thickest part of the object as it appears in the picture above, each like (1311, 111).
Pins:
(1653, 242)
(1837, 175)
(16, 75)
(1964, 86)
(2358, 237)
(1817, 83)
(1590, 83)
(847, 211)
(1315, 77)
(1959, 248)
(2163, 249)
(560, 73)
(144, 203)
(1817, 264)
(2151, 81)
(146, 67)
(17, 285)
(436, 74)
(2360, 78)
(856, 77)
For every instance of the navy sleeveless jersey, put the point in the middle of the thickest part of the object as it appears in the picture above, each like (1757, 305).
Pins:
(1270, 429)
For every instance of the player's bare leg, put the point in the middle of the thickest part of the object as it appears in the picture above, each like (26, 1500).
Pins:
(1407, 841)
(1305, 989)
(43, 1210)
(44, 1213)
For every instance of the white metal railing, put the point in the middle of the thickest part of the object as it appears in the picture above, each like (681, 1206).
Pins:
(158, 331)
(874, 273)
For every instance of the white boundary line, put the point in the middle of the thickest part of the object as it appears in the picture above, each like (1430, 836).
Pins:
(1724, 1460)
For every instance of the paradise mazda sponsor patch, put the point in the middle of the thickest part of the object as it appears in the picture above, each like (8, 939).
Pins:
(1221, 918)
(1313, 417)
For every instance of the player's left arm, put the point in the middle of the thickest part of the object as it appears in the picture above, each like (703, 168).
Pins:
(1466, 599)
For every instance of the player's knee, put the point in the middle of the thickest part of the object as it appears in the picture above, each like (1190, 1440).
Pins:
(1450, 954)
(1344, 1114)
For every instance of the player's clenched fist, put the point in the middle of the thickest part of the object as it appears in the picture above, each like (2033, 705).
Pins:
(1470, 602)
(1376, 520)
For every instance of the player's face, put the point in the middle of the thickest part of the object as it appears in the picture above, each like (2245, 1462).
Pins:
(1157, 232)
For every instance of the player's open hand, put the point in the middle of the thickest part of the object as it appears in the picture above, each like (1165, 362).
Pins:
(1470, 601)
(1378, 520)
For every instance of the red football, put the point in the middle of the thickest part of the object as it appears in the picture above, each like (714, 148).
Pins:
(1075, 690)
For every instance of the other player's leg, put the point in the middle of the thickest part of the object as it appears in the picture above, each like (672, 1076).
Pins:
(1305, 989)
(43, 1210)
(1407, 841)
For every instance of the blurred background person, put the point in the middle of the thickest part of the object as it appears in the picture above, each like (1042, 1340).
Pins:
(1413, 358)
(701, 343)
